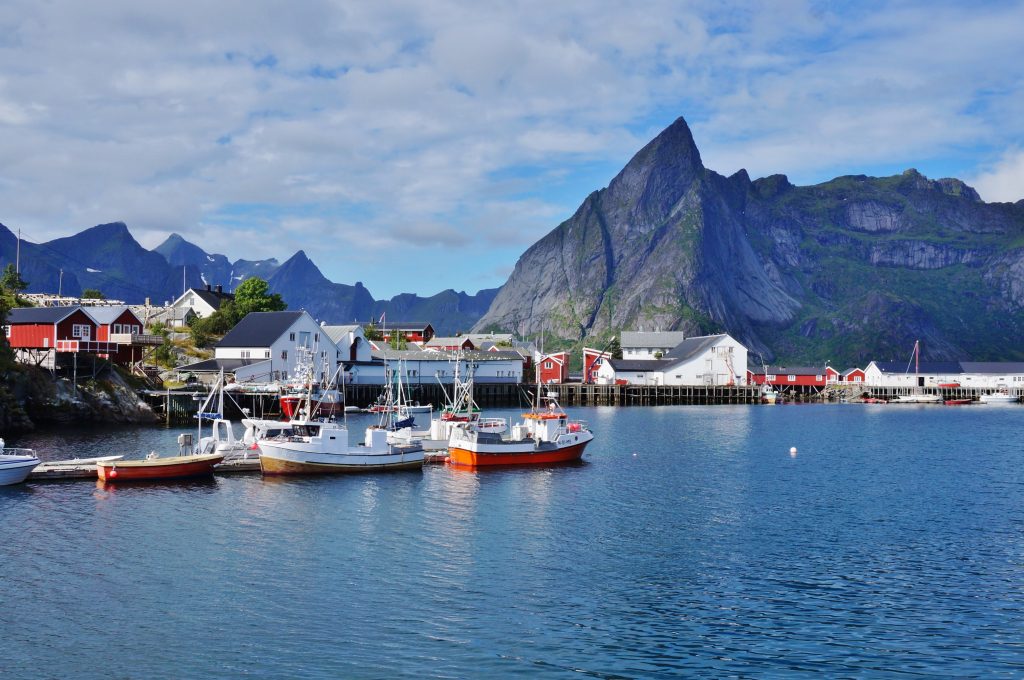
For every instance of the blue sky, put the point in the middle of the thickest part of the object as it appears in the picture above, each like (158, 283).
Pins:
(417, 146)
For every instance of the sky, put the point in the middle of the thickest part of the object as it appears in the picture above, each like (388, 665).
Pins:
(423, 145)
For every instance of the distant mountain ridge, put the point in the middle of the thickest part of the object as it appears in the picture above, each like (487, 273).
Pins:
(849, 270)
(106, 257)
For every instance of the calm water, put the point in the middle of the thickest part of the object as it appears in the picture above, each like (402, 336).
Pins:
(689, 542)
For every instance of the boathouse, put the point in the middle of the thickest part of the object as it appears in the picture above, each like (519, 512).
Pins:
(700, 360)
(554, 368)
(39, 334)
(966, 374)
(431, 367)
(592, 361)
(349, 341)
(802, 378)
(410, 331)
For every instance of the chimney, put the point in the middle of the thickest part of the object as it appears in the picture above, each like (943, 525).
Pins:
(220, 290)
(207, 287)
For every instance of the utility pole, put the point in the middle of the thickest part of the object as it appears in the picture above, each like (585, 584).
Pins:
(60, 283)
(17, 258)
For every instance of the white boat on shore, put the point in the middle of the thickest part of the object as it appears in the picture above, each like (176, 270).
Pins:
(1000, 396)
(15, 464)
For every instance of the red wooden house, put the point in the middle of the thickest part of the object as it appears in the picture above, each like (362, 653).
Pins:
(852, 375)
(804, 378)
(37, 332)
(592, 361)
(411, 331)
(554, 368)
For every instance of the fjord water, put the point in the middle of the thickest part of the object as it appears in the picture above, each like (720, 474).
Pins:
(689, 541)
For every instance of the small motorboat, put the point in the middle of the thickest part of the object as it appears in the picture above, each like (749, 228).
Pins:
(1000, 396)
(156, 468)
(957, 402)
(15, 464)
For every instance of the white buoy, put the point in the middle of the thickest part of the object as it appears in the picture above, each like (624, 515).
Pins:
(792, 451)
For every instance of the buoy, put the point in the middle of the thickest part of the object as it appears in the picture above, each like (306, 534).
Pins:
(635, 455)
(112, 473)
(792, 451)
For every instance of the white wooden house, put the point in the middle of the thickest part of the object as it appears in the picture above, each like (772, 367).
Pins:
(700, 360)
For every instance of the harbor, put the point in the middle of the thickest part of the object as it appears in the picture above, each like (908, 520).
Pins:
(683, 533)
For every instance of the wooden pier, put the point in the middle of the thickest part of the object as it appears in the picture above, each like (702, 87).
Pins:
(578, 394)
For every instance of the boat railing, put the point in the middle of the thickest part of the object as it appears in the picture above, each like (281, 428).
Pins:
(577, 426)
(15, 451)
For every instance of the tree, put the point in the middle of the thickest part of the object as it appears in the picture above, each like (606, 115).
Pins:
(11, 281)
(615, 348)
(254, 296)
(371, 332)
(93, 294)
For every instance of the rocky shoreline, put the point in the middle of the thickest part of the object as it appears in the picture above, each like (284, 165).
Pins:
(31, 397)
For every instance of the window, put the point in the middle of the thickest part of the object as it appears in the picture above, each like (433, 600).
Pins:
(245, 354)
(291, 337)
(316, 337)
(770, 376)
(548, 364)
(818, 377)
(7, 331)
(266, 354)
(304, 338)
(857, 378)
(791, 378)
(284, 354)
(80, 330)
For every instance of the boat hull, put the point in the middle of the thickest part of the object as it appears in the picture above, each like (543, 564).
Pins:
(158, 469)
(282, 466)
(515, 454)
(15, 469)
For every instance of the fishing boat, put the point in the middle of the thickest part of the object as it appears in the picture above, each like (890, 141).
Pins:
(545, 436)
(917, 396)
(327, 400)
(15, 464)
(460, 409)
(769, 395)
(321, 446)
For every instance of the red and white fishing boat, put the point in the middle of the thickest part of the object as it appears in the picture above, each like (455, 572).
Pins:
(544, 437)
(326, 401)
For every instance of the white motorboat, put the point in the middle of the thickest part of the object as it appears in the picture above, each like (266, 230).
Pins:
(1000, 396)
(15, 464)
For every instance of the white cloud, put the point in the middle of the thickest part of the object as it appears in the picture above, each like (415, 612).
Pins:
(349, 128)
(1004, 181)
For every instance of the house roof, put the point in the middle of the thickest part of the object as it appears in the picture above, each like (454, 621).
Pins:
(443, 355)
(107, 315)
(489, 337)
(40, 314)
(259, 329)
(213, 298)
(447, 342)
(691, 347)
(851, 370)
(936, 367)
(389, 325)
(638, 365)
(336, 333)
(214, 365)
(664, 339)
(996, 367)
(791, 370)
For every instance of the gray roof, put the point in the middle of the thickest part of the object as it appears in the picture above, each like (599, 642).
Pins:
(40, 314)
(212, 297)
(934, 367)
(995, 367)
(638, 365)
(790, 370)
(655, 339)
(106, 315)
(259, 329)
(489, 337)
(214, 365)
(444, 355)
(336, 333)
(447, 342)
(691, 347)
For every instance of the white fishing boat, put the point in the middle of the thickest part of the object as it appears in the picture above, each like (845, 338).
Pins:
(461, 410)
(15, 464)
(322, 446)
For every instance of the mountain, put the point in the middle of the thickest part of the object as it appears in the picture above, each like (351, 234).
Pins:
(106, 257)
(849, 270)
(215, 270)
